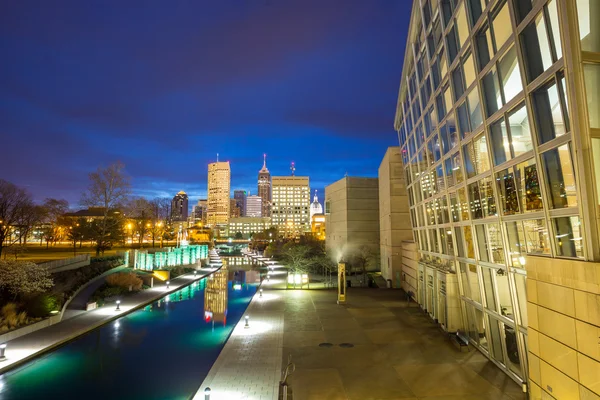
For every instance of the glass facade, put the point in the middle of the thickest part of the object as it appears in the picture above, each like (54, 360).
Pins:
(487, 145)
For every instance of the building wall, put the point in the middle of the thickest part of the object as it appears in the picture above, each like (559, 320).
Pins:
(254, 206)
(394, 216)
(563, 310)
(290, 204)
(219, 204)
(352, 216)
(240, 197)
(248, 225)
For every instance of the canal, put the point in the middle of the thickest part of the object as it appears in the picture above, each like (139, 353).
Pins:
(163, 351)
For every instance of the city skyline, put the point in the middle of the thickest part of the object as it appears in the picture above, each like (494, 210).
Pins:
(164, 107)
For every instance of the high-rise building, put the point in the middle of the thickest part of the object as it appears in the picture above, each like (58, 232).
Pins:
(254, 206)
(498, 119)
(234, 210)
(290, 204)
(219, 181)
(264, 188)
(179, 207)
(199, 212)
(240, 201)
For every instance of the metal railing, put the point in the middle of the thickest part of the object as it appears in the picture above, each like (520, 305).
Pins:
(285, 392)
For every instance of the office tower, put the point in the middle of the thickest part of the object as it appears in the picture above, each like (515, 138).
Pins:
(498, 119)
(290, 205)
(218, 207)
(200, 212)
(264, 188)
(240, 201)
(254, 206)
(179, 207)
(234, 210)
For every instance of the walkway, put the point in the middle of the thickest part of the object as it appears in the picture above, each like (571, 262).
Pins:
(390, 350)
(29, 346)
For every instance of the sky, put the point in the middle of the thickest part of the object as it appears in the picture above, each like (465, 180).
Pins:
(163, 86)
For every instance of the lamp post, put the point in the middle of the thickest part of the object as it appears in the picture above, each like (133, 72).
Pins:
(260, 293)
(2, 351)
(341, 283)
(168, 284)
(246, 324)
(207, 393)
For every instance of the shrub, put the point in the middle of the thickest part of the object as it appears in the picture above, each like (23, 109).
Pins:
(9, 315)
(41, 305)
(125, 280)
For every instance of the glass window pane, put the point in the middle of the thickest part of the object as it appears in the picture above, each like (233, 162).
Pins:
(449, 172)
(454, 207)
(516, 243)
(452, 133)
(521, 287)
(464, 280)
(500, 143)
(592, 89)
(507, 191)
(520, 134)
(474, 283)
(506, 307)
(483, 40)
(555, 26)
(560, 178)
(452, 45)
(440, 177)
(469, 155)
(522, 8)
(481, 156)
(488, 288)
(589, 29)
(536, 236)
(475, 201)
(449, 241)
(496, 243)
(470, 245)
(475, 109)
(476, 7)
(528, 186)
(459, 242)
(510, 74)
(486, 193)
(480, 327)
(512, 349)
(443, 241)
(537, 47)
(457, 167)
(464, 204)
(548, 113)
(496, 341)
(461, 23)
(463, 120)
(482, 244)
(569, 242)
(491, 90)
(502, 26)
(458, 83)
(469, 68)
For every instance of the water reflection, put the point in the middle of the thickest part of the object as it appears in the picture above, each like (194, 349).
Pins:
(215, 297)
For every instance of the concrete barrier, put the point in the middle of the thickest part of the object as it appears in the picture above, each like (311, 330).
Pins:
(67, 263)
(30, 328)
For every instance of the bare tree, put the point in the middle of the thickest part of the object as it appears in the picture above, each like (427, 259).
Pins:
(15, 206)
(161, 207)
(139, 212)
(108, 189)
(362, 258)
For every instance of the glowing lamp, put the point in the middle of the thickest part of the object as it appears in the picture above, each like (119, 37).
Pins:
(118, 305)
(247, 325)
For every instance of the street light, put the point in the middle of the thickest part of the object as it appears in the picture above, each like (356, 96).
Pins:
(246, 325)
(207, 393)
(118, 305)
(260, 295)
(168, 284)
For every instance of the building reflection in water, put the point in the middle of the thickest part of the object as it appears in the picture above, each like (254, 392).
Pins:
(215, 297)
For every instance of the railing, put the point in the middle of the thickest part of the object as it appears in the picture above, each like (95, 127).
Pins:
(67, 263)
(285, 392)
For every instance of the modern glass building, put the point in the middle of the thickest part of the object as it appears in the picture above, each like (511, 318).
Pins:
(498, 119)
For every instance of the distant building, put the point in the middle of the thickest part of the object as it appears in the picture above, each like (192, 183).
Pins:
(240, 201)
(179, 207)
(90, 214)
(394, 215)
(248, 226)
(265, 188)
(290, 204)
(254, 206)
(317, 226)
(219, 205)
(234, 210)
(315, 207)
(352, 216)
(199, 212)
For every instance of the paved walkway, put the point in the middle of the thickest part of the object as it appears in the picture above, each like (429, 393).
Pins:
(29, 346)
(390, 350)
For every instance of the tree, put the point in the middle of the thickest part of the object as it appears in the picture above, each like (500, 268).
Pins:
(239, 235)
(18, 278)
(141, 213)
(15, 205)
(77, 232)
(297, 257)
(53, 210)
(108, 189)
(161, 212)
(362, 258)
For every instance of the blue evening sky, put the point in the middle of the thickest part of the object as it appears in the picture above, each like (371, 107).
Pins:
(165, 85)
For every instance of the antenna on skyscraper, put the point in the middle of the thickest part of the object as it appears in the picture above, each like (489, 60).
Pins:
(264, 160)
(217, 157)
(293, 168)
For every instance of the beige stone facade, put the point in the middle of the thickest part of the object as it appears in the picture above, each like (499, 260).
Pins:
(352, 216)
(394, 215)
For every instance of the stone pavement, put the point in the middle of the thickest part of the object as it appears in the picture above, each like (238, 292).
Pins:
(29, 346)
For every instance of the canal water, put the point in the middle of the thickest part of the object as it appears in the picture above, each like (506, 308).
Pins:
(163, 351)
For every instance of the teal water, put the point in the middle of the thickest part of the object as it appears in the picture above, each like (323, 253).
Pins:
(163, 351)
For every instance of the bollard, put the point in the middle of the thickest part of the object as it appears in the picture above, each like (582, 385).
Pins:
(2, 351)
(207, 393)
(118, 305)
(168, 284)
(247, 325)
(260, 293)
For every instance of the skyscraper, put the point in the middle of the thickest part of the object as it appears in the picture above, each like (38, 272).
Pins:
(264, 188)
(219, 181)
(240, 201)
(179, 207)
(498, 119)
(291, 203)
(254, 206)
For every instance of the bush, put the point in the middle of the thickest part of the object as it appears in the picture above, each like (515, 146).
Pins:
(179, 270)
(106, 291)
(125, 280)
(41, 305)
(10, 318)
